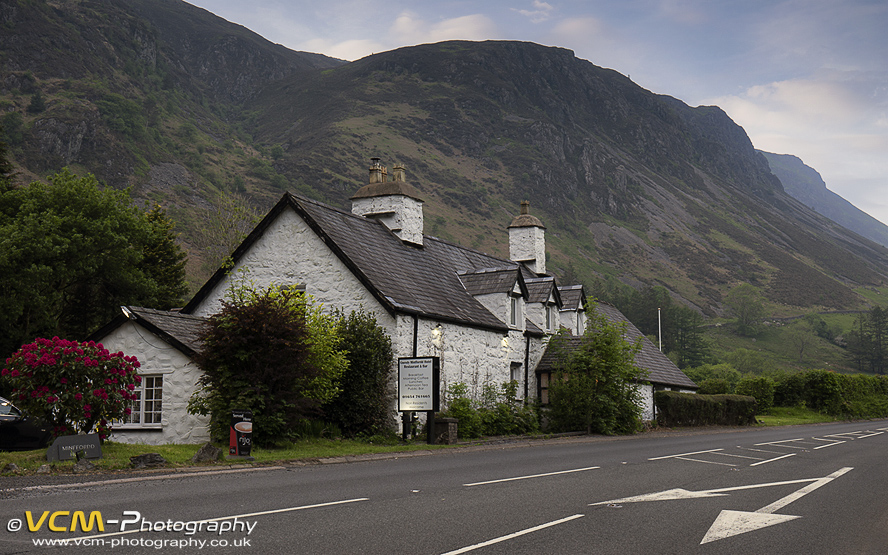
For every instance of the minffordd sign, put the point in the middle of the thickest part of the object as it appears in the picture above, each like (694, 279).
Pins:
(419, 382)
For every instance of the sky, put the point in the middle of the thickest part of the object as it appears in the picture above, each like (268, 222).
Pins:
(802, 77)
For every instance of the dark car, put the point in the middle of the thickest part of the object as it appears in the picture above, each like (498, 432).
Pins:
(20, 432)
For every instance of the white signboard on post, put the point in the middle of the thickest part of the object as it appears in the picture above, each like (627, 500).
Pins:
(419, 384)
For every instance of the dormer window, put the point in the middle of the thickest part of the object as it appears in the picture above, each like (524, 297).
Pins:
(549, 318)
(513, 312)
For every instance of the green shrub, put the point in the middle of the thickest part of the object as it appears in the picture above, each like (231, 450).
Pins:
(714, 386)
(271, 352)
(498, 412)
(461, 407)
(760, 387)
(823, 392)
(364, 403)
(502, 413)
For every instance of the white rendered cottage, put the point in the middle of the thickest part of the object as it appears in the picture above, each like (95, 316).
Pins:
(488, 319)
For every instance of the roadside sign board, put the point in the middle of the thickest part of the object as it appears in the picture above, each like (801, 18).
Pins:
(241, 434)
(419, 384)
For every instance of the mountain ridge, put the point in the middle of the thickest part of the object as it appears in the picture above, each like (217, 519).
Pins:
(806, 185)
(635, 188)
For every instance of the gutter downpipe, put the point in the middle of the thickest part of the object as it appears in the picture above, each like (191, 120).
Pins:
(526, 366)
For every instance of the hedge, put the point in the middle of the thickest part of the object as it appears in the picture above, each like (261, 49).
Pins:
(691, 409)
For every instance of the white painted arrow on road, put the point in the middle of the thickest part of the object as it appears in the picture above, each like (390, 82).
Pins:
(732, 523)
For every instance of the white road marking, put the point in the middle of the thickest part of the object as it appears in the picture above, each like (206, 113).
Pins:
(679, 493)
(514, 535)
(760, 450)
(707, 462)
(781, 441)
(830, 444)
(774, 459)
(784, 446)
(871, 435)
(531, 476)
(732, 523)
(780, 503)
(738, 456)
(685, 454)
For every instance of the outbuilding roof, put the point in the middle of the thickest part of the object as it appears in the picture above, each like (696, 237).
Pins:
(661, 370)
(182, 331)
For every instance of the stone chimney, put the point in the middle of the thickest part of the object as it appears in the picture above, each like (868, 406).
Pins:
(395, 203)
(527, 240)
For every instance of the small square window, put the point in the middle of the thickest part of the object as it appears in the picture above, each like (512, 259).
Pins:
(146, 411)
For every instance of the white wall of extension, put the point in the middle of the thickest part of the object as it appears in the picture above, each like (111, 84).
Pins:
(180, 376)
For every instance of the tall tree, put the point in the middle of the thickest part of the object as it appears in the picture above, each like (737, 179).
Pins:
(748, 306)
(686, 337)
(70, 254)
(164, 260)
(595, 385)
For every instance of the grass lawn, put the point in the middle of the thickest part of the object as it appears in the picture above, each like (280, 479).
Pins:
(115, 456)
(785, 416)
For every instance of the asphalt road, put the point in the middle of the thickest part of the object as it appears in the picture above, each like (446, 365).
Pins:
(807, 490)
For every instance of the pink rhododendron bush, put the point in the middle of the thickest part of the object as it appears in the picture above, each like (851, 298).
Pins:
(76, 387)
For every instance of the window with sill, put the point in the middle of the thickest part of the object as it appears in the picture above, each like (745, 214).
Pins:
(147, 410)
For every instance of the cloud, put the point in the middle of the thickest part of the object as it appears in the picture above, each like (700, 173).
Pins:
(409, 28)
(350, 50)
(541, 11)
(834, 121)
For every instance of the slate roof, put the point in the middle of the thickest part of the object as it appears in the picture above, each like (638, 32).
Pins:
(539, 289)
(182, 331)
(493, 280)
(661, 370)
(572, 297)
(403, 278)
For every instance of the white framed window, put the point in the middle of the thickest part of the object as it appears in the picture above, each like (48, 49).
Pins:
(513, 312)
(146, 411)
(550, 317)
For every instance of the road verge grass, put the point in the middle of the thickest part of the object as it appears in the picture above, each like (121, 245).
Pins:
(116, 456)
(787, 416)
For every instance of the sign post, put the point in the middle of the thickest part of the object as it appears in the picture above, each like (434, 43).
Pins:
(419, 388)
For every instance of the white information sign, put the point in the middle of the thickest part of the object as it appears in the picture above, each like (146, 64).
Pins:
(418, 384)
